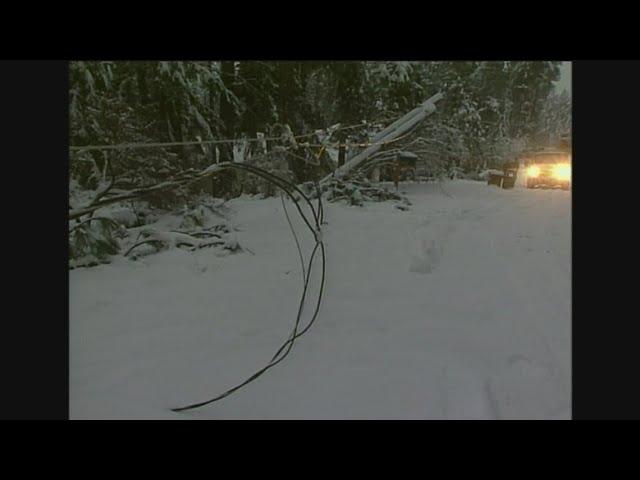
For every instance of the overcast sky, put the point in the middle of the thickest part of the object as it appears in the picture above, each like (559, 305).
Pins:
(565, 78)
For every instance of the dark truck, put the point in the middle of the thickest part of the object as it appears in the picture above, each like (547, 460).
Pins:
(549, 169)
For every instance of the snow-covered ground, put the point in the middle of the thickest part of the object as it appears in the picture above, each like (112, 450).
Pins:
(459, 308)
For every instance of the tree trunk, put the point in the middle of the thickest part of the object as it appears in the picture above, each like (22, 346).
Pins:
(224, 183)
(286, 71)
(143, 89)
(227, 115)
(285, 77)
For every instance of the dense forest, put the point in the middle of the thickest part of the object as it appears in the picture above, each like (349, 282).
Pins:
(289, 118)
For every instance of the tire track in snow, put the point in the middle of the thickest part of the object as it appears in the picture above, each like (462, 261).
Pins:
(532, 385)
(512, 391)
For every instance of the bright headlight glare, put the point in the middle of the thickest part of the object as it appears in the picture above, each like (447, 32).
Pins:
(562, 171)
(533, 171)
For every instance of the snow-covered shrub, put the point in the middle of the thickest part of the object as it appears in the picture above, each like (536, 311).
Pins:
(93, 241)
(194, 218)
(455, 172)
(355, 191)
(167, 199)
(124, 216)
(482, 175)
(154, 239)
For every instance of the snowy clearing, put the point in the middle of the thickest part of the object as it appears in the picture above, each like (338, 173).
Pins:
(459, 308)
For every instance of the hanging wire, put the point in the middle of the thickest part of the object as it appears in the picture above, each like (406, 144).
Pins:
(287, 346)
(295, 237)
(125, 146)
(291, 190)
(287, 187)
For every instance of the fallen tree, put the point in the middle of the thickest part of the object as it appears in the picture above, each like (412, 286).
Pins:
(183, 178)
(190, 176)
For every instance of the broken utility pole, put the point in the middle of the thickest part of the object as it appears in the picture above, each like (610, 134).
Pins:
(400, 127)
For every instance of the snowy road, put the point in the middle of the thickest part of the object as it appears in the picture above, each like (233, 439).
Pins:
(458, 308)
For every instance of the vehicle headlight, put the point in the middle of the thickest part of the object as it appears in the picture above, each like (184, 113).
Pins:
(533, 171)
(562, 171)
